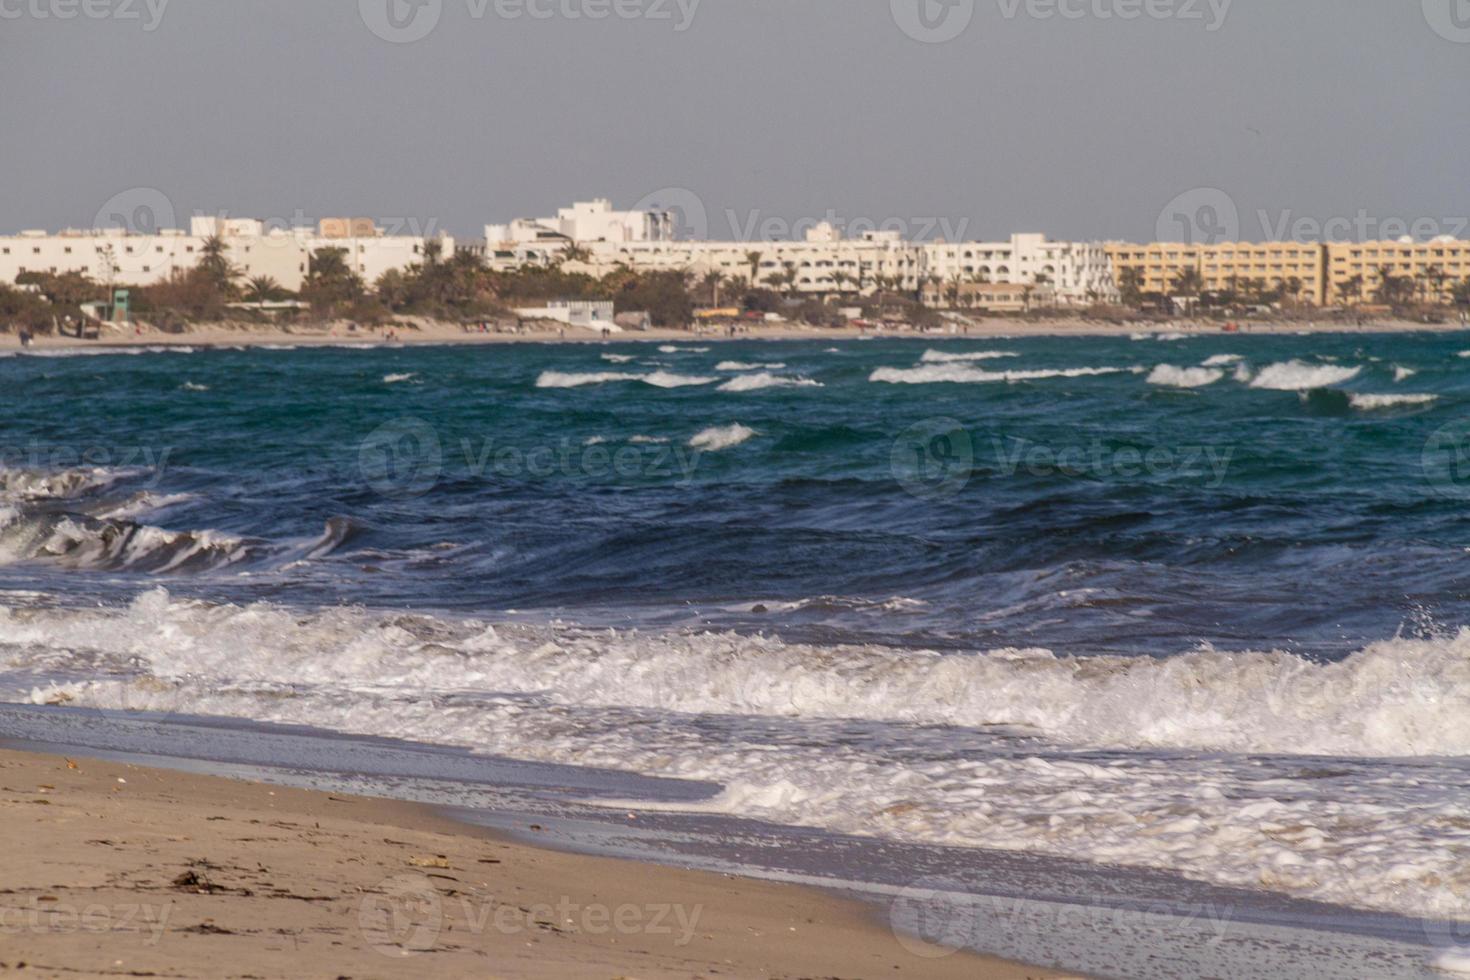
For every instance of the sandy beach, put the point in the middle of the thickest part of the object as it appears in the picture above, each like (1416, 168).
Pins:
(430, 332)
(116, 870)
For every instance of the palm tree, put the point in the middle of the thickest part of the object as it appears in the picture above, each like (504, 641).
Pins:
(1188, 284)
(754, 258)
(214, 262)
(263, 289)
(1350, 290)
(1436, 277)
(711, 283)
(1130, 286)
(1294, 286)
(1461, 293)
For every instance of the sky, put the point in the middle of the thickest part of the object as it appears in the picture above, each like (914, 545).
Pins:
(961, 119)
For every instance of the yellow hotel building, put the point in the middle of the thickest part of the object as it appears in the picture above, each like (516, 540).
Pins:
(1326, 273)
(1434, 267)
(1225, 266)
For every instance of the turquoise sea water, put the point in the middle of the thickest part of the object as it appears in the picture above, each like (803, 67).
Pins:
(1059, 595)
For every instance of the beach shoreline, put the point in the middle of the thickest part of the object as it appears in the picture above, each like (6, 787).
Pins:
(438, 333)
(140, 871)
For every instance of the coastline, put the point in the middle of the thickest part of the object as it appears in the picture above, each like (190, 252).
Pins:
(137, 871)
(437, 333)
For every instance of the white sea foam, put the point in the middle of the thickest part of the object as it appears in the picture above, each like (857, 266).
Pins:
(144, 503)
(73, 541)
(618, 358)
(1382, 834)
(929, 374)
(648, 441)
(1169, 376)
(1453, 961)
(741, 366)
(192, 386)
(1403, 373)
(57, 484)
(1301, 376)
(658, 379)
(1223, 360)
(717, 438)
(1370, 403)
(394, 379)
(671, 349)
(943, 357)
(764, 380)
(595, 441)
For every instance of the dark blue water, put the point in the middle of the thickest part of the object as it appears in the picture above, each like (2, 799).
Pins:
(1089, 514)
(1188, 605)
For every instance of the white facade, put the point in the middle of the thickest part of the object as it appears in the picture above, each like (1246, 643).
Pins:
(818, 267)
(1080, 273)
(583, 223)
(592, 314)
(115, 257)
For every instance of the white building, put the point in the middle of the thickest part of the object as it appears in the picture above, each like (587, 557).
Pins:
(115, 257)
(592, 314)
(583, 223)
(815, 267)
(1079, 273)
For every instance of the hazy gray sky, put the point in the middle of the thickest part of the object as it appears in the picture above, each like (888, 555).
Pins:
(1065, 119)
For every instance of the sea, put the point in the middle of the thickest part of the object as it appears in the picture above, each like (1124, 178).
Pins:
(1169, 605)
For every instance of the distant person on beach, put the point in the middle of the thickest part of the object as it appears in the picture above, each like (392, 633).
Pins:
(25, 338)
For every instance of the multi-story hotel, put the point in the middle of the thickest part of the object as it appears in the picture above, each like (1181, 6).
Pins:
(1296, 266)
(116, 257)
(1355, 270)
(1332, 274)
(1034, 271)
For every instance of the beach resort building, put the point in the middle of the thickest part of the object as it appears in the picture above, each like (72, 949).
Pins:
(1298, 267)
(1074, 273)
(116, 257)
(1355, 270)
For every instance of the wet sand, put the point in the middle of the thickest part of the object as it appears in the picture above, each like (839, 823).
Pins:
(116, 870)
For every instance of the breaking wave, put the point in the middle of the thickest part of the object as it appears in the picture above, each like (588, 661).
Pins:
(1169, 376)
(964, 374)
(764, 380)
(658, 379)
(1301, 376)
(1370, 403)
(941, 357)
(722, 437)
